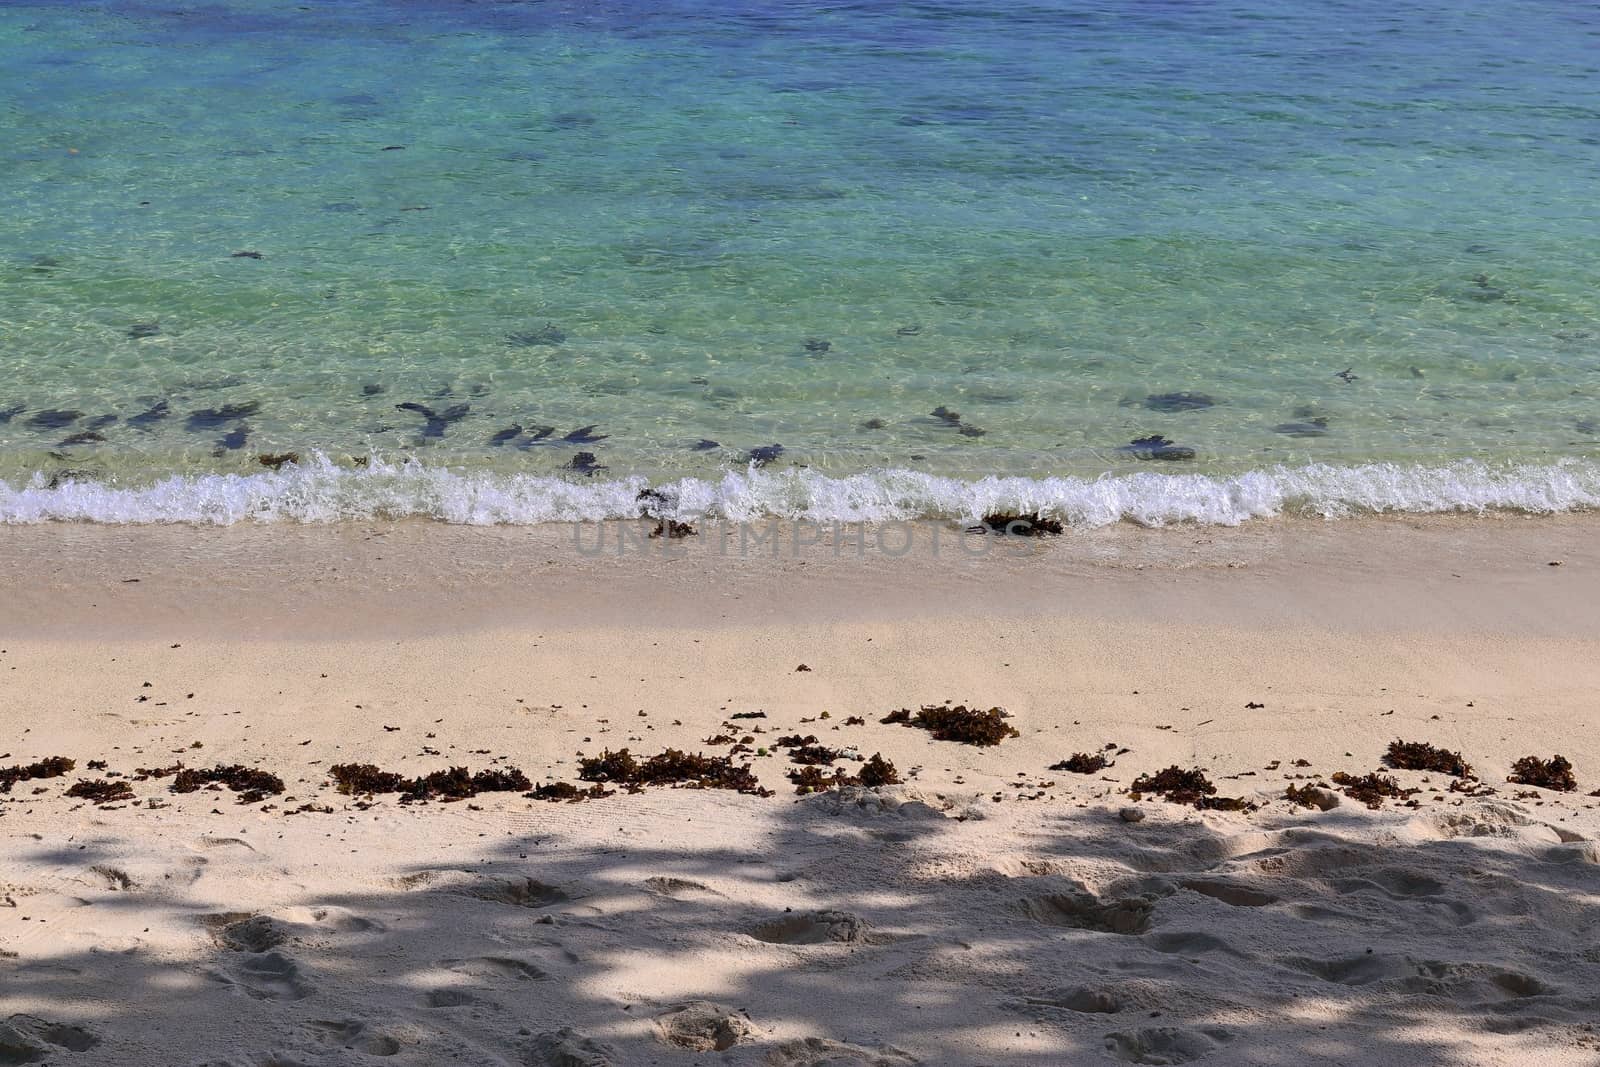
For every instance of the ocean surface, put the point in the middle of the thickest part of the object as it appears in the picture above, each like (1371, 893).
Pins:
(514, 261)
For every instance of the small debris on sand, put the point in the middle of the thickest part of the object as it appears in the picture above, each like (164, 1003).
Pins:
(454, 784)
(1553, 773)
(959, 723)
(100, 791)
(1419, 756)
(54, 767)
(671, 767)
(1371, 789)
(1017, 524)
(875, 772)
(1192, 787)
(1082, 763)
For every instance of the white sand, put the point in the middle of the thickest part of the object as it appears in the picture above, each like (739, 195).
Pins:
(928, 923)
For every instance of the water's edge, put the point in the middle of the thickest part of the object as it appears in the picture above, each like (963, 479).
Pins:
(319, 491)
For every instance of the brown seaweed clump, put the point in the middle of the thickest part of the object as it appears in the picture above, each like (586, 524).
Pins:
(811, 779)
(1371, 789)
(456, 783)
(364, 778)
(1553, 773)
(558, 792)
(1419, 756)
(1082, 763)
(100, 791)
(671, 767)
(1178, 786)
(251, 785)
(1017, 524)
(875, 772)
(53, 767)
(672, 529)
(806, 750)
(878, 771)
(609, 766)
(957, 723)
(1303, 796)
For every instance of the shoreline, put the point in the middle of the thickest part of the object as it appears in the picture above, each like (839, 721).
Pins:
(923, 923)
(414, 577)
(287, 487)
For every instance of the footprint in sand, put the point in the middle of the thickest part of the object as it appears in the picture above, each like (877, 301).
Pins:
(208, 843)
(338, 920)
(1165, 1044)
(1584, 852)
(1407, 886)
(354, 1035)
(1082, 910)
(27, 1039)
(1234, 893)
(812, 928)
(701, 1026)
(517, 891)
(1085, 1000)
(498, 968)
(448, 998)
(1467, 982)
(1488, 818)
(1190, 943)
(820, 1052)
(265, 976)
(241, 931)
(113, 877)
(679, 888)
(568, 1048)
(1363, 969)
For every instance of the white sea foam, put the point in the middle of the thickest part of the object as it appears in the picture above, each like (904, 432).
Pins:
(320, 492)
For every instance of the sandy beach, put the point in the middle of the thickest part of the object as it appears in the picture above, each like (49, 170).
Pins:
(988, 909)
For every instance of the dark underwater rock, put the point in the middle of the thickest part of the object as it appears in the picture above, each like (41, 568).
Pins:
(548, 335)
(510, 433)
(53, 419)
(1156, 447)
(213, 418)
(149, 417)
(438, 421)
(1316, 427)
(763, 454)
(584, 463)
(1183, 401)
(84, 437)
(585, 435)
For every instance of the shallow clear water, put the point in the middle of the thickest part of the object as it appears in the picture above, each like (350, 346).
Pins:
(804, 224)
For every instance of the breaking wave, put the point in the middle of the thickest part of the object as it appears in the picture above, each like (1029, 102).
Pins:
(321, 492)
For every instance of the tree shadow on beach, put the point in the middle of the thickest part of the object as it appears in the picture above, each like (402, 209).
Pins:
(840, 929)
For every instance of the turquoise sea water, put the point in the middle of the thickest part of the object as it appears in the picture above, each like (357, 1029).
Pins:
(798, 224)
